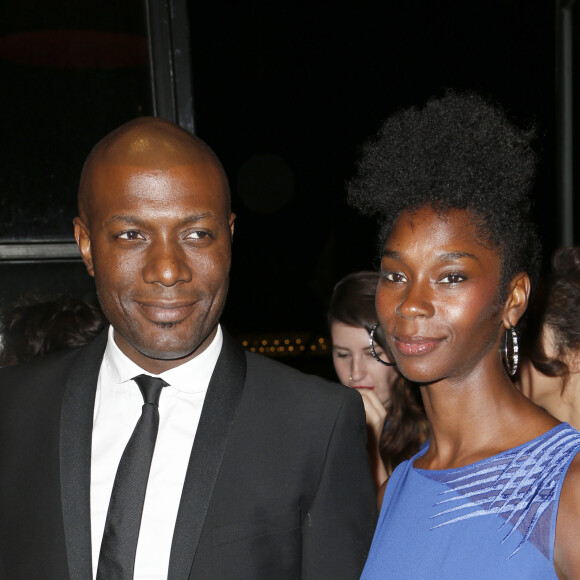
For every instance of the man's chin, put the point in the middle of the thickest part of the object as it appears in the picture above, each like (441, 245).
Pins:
(178, 349)
(164, 348)
(172, 353)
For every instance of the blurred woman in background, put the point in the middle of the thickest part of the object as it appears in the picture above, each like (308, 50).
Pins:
(396, 420)
(550, 376)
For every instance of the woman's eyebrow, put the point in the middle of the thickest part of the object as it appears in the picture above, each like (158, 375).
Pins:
(452, 256)
(391, 254)
(443, 257)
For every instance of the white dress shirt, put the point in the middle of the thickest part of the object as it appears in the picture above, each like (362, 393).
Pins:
(117, 409)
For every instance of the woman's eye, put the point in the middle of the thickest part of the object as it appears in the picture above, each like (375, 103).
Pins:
(453, 279)
(394, 277)
(340, 354)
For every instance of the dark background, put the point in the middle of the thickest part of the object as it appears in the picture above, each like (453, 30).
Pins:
(284, 92)
(307, 83)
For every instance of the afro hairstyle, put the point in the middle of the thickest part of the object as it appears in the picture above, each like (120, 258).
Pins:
(458, 152)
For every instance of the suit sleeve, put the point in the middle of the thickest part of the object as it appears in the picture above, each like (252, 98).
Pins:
(338, 529)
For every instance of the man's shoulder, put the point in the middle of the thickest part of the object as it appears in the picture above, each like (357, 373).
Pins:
(273, 374)
(42, 365)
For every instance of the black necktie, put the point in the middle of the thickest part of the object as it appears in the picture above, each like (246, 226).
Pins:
(119, 545)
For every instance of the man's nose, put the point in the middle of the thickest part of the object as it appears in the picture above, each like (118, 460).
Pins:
(167, 264)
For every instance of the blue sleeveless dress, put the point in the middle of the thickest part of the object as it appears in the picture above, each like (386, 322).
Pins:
(493, 519)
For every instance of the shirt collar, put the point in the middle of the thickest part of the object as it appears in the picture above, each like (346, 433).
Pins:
(192, 376)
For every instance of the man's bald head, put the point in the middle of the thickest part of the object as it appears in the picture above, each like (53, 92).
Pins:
(148, 144)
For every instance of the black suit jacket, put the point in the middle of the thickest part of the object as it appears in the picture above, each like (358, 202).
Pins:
(278, 484)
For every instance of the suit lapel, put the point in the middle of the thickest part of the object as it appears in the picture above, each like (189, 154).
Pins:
(219, 410)
(76, 427)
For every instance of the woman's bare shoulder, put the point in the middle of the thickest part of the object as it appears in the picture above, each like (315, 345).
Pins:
(566, 553)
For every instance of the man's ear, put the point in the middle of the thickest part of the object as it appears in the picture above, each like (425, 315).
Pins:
(517, 300)
(231, 224)
(83, 238)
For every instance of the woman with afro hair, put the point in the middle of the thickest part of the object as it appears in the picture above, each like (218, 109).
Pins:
(496, 493)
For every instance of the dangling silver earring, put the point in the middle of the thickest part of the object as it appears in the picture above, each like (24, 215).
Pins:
(373, 352)
(511, 359)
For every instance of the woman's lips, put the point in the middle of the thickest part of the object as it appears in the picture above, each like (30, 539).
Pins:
(415, 345)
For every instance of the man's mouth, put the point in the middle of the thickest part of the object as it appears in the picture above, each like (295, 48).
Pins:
(166, 313)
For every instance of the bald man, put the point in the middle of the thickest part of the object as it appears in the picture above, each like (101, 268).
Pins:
(258, 471)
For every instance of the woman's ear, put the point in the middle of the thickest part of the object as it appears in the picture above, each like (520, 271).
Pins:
(573, 363)
(517, 300)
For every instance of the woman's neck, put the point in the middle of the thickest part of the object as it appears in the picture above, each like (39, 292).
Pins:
(477, 418)
(565, 406)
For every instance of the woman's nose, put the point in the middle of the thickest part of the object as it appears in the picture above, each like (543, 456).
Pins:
(357, 371)
(415, 302)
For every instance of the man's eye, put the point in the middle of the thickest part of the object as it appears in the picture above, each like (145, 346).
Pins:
(197, 235)
(453, 279)
(130, 235)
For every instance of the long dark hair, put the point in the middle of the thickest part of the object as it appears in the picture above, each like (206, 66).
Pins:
(407, 426)
(558, 308)
(353, 302)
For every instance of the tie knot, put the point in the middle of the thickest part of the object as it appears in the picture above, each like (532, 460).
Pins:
(150, 388)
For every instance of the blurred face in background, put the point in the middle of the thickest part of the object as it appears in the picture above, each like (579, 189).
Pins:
(541, 388)
(354, 363)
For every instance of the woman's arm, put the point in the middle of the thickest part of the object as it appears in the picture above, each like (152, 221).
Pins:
(566, 552)
(376, 416)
